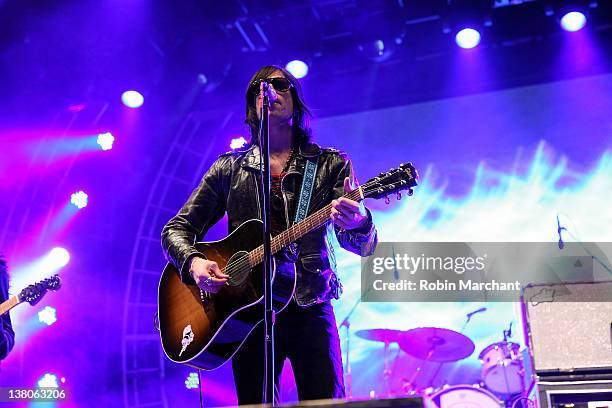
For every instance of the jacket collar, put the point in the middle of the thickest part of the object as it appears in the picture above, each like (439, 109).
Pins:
(305, 151)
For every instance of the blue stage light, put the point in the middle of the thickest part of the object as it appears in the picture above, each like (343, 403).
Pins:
(573, 21)
(237, 143)
(467, 38)
(105, 140)
(79, 199)
(132, 99)
(298, 69)
(48, 381)
(48, 315)
(58, 258)
(192, 381)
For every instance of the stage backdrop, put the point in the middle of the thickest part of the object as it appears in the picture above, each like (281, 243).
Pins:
(494, 167)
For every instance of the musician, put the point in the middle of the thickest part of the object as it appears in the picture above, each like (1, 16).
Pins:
(306, 331)
(7, 335)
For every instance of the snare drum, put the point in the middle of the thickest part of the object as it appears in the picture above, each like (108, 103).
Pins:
(502, 368)
(462, 396)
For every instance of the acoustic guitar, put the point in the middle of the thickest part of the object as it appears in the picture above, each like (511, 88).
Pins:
(205, 330)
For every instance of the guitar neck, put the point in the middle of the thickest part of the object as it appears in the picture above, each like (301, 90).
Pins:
(9, 304)
(298, 230)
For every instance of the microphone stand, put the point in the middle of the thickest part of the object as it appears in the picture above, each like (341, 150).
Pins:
(579, 242)
(264, 136)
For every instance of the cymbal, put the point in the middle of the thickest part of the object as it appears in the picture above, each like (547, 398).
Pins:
(436, 344)
(383, 335)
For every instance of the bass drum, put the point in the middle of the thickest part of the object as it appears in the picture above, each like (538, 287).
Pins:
(462, 396)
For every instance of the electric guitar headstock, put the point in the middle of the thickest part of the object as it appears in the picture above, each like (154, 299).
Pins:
(35, 292)
(404, 177)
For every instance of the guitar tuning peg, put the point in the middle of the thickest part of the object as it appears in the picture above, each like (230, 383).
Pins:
(399, 195)
(387, 200)
(410, 192)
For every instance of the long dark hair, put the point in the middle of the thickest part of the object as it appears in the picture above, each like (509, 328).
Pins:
(301, 113)
(4, 278)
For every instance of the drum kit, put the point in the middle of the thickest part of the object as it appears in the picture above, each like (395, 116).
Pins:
(501, 382)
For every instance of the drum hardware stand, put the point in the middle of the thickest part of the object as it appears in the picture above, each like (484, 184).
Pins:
(435, 343)
(507, 335)
(346, 323)
(386, 371)
(467, 321)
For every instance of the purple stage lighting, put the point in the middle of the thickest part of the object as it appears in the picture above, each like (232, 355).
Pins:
(58, 258)
(105, 140)
(237, 143)
(192, 382)
(467, 38)
(79, 199)
(573, 21)
(298, 69)
(132, 99)
(48, 315)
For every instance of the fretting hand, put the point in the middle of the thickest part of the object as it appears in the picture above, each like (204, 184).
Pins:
(348, 214)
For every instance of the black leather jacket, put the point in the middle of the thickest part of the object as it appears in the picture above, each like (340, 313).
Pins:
(231, 185)
(7, 335)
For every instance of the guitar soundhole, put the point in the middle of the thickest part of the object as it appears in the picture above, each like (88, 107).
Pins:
(238, 268)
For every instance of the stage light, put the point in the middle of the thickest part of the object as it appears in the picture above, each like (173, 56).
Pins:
(132, 99)
(237, 143)
(105, 140)
(380, 47)
(79, 199)
(48, 315)
(298, 69)
(573, 21)
(467, 38)
(48, 381)
(192, 381)
(58, 257)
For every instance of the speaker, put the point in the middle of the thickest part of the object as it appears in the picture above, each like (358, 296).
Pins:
(568, 328)
(563, 394)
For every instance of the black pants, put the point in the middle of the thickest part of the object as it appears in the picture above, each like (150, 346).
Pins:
(308, 337)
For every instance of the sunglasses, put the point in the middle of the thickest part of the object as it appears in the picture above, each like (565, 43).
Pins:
(279, 84)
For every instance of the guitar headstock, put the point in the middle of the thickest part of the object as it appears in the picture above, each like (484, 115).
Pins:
(404, 177)
(34, 293)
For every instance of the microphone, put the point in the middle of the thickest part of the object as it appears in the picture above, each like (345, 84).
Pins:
(508, 333)
(469, 315)
(268, 90)
(559, 229)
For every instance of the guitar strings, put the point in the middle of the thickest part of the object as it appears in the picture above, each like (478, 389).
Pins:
(244, 261)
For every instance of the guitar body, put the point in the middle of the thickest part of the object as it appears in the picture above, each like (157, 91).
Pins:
(205, 330)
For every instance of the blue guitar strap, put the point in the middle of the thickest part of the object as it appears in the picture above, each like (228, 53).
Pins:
(310, 172)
